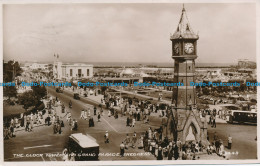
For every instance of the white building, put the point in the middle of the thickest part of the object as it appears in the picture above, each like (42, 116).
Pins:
(39, 66)
(72, 71)
(34, 66)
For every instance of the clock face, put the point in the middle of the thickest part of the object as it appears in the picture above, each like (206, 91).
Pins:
(176, 48)
(189, 48)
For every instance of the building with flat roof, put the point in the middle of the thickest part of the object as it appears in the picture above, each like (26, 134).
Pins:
(72, 71)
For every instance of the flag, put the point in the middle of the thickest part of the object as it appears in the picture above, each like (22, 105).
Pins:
(57, 56)
(54, 55)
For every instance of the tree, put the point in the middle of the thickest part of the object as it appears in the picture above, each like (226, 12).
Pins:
(205, 91)
(11, 69)
(10, 91)
(39, 92)
(27, 99)
(33, 98)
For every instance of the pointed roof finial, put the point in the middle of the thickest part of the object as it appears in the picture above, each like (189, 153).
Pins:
(184, 29)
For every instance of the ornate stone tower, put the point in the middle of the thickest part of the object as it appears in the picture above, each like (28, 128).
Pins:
(184, 120)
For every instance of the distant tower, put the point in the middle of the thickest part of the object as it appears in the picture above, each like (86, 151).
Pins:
(185, 121)
(57, 70)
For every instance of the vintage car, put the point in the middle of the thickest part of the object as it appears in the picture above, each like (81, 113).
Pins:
(84, 147)
(76, 96)
(59, 90)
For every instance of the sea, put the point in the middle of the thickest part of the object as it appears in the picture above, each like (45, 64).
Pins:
(151, 64)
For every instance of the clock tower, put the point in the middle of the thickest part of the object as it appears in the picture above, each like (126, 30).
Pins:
(184, 53)
(185, 121)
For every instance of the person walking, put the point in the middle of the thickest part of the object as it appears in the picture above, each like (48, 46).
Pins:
(210, 119)
(59, 127)
(85, 115)
(12, 130)
(25, 120)
(106, 137)
(133, 122)
(82, 114)
(72, 125)
(101, 110)
(170, 154)
(127, 121)
(63, 108)
(95, 111)
(65, 155)
(122, 149)
(160, 155)
(176, 152)
(134, 139)
(109, 113)
(54, 128)
(89, 113)
(127, 141)
(221, 149)
(75, 125)
(99, 117)
(141, 143)
(229, 142)
(213, 121)
(31, 125)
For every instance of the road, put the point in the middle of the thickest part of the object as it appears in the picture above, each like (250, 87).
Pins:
(41, 140)
(243, 139)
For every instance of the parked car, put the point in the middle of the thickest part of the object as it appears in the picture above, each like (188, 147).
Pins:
(59, 90)
(91, 92)
(76, 96)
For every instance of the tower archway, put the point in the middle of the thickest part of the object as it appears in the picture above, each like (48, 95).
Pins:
(191, 131)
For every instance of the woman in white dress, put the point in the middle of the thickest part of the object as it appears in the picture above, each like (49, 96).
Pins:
(156, 150)
(109, 113)
(150, 133)
(221, 150)
(141, 142)
(65, 154)
(133, 122)
(85, 115)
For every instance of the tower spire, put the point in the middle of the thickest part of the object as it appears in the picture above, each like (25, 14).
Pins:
(184, 29)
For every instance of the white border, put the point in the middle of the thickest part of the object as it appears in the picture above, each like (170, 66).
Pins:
(137, 162)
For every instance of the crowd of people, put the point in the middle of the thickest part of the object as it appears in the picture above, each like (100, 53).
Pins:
(167, 149)
(135, 111)
(28, 121)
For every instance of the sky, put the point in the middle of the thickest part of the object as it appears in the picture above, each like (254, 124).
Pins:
(126, 32)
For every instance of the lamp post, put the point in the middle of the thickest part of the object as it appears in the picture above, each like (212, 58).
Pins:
(13, 70)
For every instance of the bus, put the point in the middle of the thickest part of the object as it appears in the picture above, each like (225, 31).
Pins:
(84, 147)
(237, 116)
